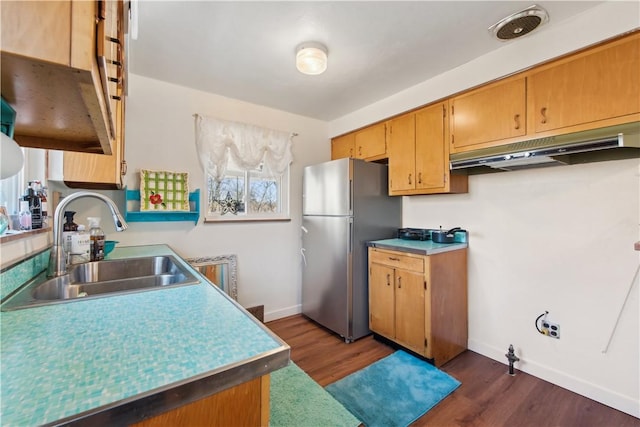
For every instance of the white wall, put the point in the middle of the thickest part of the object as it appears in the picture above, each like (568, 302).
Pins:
(160, 136)
(557, 239)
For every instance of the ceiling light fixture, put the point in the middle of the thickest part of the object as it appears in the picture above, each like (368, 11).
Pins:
(311, 58)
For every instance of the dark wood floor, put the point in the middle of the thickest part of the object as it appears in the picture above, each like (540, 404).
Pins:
(488, 396)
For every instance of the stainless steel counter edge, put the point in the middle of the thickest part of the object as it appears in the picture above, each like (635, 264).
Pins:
(155, 402)
(445, 248)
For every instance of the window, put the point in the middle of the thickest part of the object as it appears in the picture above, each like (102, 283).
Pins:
(246, 169)
(250, 194)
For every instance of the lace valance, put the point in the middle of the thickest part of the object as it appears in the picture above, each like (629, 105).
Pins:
(248, 145)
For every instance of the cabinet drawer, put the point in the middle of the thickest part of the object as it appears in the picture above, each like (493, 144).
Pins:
(397, 260)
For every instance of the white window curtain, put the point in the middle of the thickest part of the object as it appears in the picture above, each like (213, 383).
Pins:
(248, 145)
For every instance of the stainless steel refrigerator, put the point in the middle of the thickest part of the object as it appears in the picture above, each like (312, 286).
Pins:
(345, 204)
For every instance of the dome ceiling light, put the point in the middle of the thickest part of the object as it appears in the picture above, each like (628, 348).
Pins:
(519, 23)
(311, 58)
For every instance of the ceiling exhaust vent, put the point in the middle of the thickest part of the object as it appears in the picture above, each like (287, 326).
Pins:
(519, 23)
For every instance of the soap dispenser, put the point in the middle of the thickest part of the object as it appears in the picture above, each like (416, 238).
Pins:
(96, 236)
(69, 228)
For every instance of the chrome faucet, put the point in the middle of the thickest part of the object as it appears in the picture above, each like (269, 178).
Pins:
(58, 259)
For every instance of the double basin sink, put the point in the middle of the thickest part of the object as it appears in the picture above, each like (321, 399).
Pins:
(100, 279)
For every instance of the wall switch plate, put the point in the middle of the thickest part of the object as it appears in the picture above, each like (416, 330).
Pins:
(551, 329)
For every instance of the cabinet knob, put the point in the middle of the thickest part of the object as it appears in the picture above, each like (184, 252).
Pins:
(543, 113)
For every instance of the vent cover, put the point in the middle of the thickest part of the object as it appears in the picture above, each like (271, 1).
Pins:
(519, 23)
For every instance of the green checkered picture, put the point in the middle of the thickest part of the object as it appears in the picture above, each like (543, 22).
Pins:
(164, 191)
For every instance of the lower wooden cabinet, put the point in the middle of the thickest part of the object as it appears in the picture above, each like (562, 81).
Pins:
(245, 405)
(420, 301)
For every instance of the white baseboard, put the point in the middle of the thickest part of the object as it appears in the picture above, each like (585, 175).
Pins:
(283, 312)
(592, 391)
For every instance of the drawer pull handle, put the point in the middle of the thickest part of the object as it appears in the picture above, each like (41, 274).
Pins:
(410, 179)
(394, 258)
(543, 113)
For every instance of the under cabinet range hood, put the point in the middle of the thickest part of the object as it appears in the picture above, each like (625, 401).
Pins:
(612, 143)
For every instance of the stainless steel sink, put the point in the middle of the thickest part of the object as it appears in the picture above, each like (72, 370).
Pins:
(100, 279)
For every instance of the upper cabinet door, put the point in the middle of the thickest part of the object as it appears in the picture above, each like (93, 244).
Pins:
(371, 142)
(402, 153)
(342, 146)
(432, 159)
(488, 114)
(589, 87)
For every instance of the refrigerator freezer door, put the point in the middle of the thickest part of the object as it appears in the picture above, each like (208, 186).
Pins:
(327, 188)
(326, 271)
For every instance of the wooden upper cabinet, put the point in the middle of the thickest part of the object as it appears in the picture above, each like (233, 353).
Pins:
(432, 155)
(419, 154)
(593, 88)
(52, 77)
(402, 153)
(371, 142)
(101, 171)
(342, 146)
(602, 84)
(492, 113)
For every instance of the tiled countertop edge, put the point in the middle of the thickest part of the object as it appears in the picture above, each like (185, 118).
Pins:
(155, 402)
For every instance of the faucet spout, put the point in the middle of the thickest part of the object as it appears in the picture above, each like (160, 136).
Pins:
(57, 259)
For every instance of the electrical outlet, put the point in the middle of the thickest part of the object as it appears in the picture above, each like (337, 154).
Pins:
(551, 329)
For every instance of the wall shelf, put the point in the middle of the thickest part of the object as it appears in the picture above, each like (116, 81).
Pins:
(132, 197)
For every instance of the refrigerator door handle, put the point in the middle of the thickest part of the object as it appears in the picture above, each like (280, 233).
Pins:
(350, 237)
(304, 258)
(350, 197)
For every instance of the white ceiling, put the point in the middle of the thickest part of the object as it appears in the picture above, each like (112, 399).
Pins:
(246, 50)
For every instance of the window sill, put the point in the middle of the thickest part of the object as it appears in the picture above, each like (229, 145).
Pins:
(212, 220)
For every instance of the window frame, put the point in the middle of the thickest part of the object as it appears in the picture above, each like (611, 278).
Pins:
(284, 191)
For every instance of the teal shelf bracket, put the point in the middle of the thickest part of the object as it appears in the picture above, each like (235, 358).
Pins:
(133, 197)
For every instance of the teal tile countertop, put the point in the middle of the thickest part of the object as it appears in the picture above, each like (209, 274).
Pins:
(421, 247)
(94, 357)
